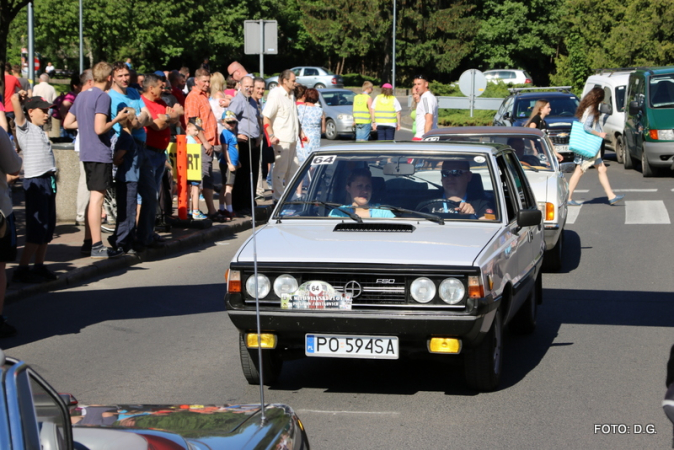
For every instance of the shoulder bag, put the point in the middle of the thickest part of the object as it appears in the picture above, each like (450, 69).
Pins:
(583, 143)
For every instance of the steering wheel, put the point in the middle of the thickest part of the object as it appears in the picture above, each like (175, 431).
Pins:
(451, 204)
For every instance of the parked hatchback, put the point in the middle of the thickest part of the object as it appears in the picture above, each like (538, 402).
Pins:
(337, 105)
(510, 76)
(649, 123)
(311, 76)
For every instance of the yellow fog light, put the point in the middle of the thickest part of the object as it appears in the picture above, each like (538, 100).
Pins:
(444, 345)
(267, 340)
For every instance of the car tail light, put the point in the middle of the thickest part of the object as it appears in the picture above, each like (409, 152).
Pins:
(475, 287)
(528, 81)
(334, 80)
(233, 281)
(662, 135)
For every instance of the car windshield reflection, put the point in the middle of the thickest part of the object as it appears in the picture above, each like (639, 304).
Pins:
(363, 186)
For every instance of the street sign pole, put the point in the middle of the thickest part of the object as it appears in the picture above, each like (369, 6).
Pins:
(81, 39)
(31, 50)
(472, 84)
(393, 81)
(262, 48)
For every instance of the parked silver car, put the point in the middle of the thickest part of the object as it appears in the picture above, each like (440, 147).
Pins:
(546, 177)
(381, 251)
(338, 107)
(311, 76)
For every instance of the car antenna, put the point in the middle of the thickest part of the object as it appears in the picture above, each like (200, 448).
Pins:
(257, 297)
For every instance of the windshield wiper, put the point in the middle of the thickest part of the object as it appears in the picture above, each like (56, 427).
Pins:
(336, 206)
(414, 177)
(431, 217)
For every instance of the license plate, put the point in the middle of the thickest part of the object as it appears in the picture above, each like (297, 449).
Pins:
(340, 346)
(562, 148)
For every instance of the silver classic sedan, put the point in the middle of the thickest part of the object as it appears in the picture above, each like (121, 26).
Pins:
(391, 250)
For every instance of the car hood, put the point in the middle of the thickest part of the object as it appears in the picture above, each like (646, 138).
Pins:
(173, 426)
(539, 183)
(341, 109)
(315, 241)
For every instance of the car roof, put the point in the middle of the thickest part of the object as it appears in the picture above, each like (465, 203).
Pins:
(610, 77)
(543, 94)
(334, 90)
(416, 146)
(485, 130)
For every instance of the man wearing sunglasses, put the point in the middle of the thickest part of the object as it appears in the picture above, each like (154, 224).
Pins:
(456, 175)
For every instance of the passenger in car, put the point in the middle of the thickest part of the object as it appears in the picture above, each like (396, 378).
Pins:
(457, 199)
(518, 145)
(359, 188)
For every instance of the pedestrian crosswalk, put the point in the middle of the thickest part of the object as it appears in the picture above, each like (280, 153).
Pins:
(636, 212)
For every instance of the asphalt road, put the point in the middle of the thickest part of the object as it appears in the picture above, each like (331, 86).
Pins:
(158, 333)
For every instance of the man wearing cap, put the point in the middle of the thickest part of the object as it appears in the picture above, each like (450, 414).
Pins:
(245, 108)
(427, 108)
(39, 186)
(197, 105)
(386, 114)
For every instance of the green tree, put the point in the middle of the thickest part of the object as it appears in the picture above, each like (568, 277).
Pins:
(8, 11)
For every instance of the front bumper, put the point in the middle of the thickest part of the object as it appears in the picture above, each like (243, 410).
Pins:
(659, 154)
(552, 232)
(413, 328)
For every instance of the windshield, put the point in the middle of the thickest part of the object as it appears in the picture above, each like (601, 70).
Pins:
(365, 186)
(338, 98)
(661, 90)
(532, 152)
(560, 106)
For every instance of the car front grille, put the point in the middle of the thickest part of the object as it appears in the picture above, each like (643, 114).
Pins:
(373, 289)
(560, 140)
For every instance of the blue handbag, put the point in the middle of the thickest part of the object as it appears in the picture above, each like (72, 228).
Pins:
(583, 143)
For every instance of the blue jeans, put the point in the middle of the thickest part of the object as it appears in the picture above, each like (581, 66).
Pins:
(125, 229)
(385, 133)
(151, 172)
(363, 131)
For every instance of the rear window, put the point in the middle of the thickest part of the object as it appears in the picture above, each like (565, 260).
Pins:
(661, 91)
(327, 71)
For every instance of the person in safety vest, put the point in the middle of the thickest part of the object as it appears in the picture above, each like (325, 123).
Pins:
(386, 111)
(362, 112)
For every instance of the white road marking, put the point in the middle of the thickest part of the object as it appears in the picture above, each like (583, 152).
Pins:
(222, 243)
(581, 191)
(635, 190)
(386, 413)
(573, 213)
(646, 212)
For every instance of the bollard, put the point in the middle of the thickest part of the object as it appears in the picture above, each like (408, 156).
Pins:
(181, 166)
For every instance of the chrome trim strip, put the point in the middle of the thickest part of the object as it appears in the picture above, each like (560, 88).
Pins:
(552, 227)
(331, 315)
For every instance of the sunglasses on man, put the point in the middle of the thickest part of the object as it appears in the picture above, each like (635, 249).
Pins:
(453, 173)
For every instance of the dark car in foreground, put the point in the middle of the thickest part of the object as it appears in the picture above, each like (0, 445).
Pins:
(34, 416)
(417, 272)
(517, 107)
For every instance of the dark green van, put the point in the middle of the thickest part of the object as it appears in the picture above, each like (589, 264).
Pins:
(649, 122)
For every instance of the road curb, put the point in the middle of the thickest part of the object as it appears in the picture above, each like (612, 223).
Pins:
(102, 267)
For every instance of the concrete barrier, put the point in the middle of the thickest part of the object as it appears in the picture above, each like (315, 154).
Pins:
(67, 178)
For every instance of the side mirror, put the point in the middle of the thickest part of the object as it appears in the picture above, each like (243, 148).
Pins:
(634, 108)
(529, 218)
(605, 108)
(506, 115)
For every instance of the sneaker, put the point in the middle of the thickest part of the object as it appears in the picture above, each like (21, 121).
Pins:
(225, 213)
(573, 203)
(25, 275)
(42, 271)
(157, 238)
(106, 228)
(201, 198)
(86, 247)
(616, 199)
(103, 252)
(198, 215)
(217, 217)
(6, 330)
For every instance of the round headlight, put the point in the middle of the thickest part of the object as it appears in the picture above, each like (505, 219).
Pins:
(284, 284)
(422, 290)
(263, 285)
(452, 291)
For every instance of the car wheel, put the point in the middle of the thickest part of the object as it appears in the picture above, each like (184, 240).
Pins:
(331, 130)
(646, 169)
(483, 364)
(271, 363)
(620, 150)
(524, 322)
(272, 85)
(628, 161)
(319, 86)
(552, 260)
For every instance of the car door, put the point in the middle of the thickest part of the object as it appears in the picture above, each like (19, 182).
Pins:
(310, 76)
(633, 124)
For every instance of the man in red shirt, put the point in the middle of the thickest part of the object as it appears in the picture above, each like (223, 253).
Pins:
(158, 132)
(197, 105)
(12, 86)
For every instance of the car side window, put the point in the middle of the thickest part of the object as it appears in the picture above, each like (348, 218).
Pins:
(608, 96)
(512, 204)
(51, 416)
(525, 196)
(296, 72)
(310, 72)
(509, 105)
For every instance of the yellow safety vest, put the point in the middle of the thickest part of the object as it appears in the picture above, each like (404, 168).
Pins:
(361, 113)
(384, 111)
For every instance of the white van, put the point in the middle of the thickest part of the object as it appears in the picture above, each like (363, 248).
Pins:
(614, 82)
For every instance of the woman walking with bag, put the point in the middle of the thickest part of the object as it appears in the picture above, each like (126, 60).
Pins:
(588, 113)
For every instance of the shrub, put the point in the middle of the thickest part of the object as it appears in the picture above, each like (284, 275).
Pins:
(357, 80)
(461, 118)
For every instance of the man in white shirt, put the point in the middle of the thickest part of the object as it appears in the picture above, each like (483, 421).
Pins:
(282, 127)
(427, 108)
(45, 90)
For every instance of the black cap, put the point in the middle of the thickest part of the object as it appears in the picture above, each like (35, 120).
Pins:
(196, 121)
(37, 103)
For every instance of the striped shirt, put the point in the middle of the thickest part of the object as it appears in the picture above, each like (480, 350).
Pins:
(38, 157)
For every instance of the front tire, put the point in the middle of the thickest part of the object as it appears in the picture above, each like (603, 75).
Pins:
(552, 260)
(646, 170)
(271, 363)
(483, 365)
(331, 130)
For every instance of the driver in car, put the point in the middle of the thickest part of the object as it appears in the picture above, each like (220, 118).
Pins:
(456, 199)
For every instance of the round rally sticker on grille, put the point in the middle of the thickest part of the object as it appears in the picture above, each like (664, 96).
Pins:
(316, 294)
